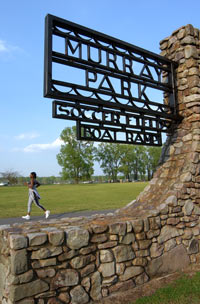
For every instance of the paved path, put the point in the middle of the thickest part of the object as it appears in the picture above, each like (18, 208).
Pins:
(13, 220)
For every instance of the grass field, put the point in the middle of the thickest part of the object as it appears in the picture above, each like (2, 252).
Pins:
(69, 198)
(185, 290)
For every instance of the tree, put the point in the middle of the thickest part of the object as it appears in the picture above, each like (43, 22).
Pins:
(75, 157)
(11, 176)
(127, 157)
(109, 157)
(153, 156)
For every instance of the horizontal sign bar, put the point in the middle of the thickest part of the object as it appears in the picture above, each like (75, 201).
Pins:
(105, 116)
(82, 64)
(116, 135)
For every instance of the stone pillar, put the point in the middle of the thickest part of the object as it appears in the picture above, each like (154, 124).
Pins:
(177, 179)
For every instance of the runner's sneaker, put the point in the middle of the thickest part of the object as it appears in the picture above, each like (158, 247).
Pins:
(47, 214)
(26, 217)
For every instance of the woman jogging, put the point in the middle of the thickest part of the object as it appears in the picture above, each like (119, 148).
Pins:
(34, 196)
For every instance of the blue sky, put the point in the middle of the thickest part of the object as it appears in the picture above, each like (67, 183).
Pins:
(29, 137)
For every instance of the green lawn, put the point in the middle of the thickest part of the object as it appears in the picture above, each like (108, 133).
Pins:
(185, 290)
(68, 198)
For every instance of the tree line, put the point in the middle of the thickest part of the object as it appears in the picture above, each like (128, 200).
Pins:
(117, 161)
(128, 161)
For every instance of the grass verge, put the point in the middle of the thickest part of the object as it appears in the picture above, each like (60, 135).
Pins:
(185, 290)
(69, 198)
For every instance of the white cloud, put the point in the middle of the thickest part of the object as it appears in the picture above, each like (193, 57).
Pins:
(42, 147)
(3, 46)
(27, 136)
(9, 50)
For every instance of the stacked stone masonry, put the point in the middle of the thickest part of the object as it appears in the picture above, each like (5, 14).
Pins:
(85, 260)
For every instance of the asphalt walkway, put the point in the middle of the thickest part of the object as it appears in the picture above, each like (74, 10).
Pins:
(14, 220)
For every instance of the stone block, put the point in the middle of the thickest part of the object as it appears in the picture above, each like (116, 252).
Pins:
(2, 279)
(95, 291)
(99, 228)
(190, 51)
(65, 278)
(170, 244)
(109, 281)
(140, 236)
(46, 273)
(140, 261)
(87, 250)
(56, 237)
(193, 246)
(18, 241)
(64, 297)
(186, 177)
(122, 286)
(79, 295)
(171, 261)
(128, 239)
(107, 245)
(142, 253)
(117, 228)
(152, 233)
(22, 278)
(168, 232)
(87, 270)
(106, 256)
(36, 239)
(86, 283)
(46, 252)
(156, 250)
(138, 225)
(99, 238)
(141, 279)
(107, 269)
(120, 267)
(123, 253)
(131, 272)
(81, 261)
(19, 263)
(171, 201)
(144, 244)
(44, 263)
(154, 223)
(77, 238)
(67, 255)
(19, 292)
(188, 208)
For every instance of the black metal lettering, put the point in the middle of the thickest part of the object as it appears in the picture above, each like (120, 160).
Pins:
(129, 137)
(115, 118)
(88, 78)
(74, 113)
(94, 117)
(127, 65)
(66, 111)
(126, 87)
(139, 139)
(106, 135)
(84, 116)
(141, 92)
(109, 86)
(89, 54)
(112, 60)
(148, 72)
(73, 49)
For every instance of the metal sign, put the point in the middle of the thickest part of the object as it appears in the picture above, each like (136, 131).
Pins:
(104, 83)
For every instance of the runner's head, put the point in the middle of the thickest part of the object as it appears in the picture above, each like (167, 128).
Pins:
(33, 175)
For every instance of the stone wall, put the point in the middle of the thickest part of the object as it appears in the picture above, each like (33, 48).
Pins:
(84, 260)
